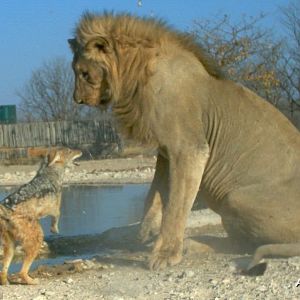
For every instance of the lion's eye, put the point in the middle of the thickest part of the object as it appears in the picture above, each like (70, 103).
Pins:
(85, 76)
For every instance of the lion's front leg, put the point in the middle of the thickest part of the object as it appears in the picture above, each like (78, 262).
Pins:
(186, 170)
(155, 200)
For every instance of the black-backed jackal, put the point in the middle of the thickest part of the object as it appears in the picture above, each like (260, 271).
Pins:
(20, 211)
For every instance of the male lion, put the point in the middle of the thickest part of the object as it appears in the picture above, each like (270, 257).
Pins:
(211, 133)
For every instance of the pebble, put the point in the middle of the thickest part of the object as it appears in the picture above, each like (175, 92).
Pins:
(188, 273)
(262, 288)
(7, 176)
(68, 281)
(39, 297)
(226, 280)
(88, 264)
(73, 261)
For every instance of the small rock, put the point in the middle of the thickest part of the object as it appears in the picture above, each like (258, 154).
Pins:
(262, 288)
(294, 261)
(214, 282)
(226, 280)
(7, 176)
(73, 261)
(39, 297)
(88, 264)
(50, 293)
(43, 292)
(68, 281)
(190, 273)
(232, 268)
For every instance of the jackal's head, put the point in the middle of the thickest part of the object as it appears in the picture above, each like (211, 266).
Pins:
(63, 157)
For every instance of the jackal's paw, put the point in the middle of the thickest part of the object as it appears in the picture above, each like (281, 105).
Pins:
(165, 254)
(54, 229)
(28, 280)
(3, 279)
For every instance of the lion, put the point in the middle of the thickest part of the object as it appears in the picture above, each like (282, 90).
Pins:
(211, 134)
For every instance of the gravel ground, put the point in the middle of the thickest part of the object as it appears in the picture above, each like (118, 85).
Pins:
(206, 272)
(107, 171)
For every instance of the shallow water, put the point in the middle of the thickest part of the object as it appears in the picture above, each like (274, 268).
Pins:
(91, 209)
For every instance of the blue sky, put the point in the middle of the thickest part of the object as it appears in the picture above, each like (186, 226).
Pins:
(34, 31)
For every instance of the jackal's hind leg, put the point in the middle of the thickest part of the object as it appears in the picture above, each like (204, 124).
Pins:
(8, 254)
(31, 247)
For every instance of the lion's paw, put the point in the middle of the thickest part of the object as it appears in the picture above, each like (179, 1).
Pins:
(160, 261)
(165, 255)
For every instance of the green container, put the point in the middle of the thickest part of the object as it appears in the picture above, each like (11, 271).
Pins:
(8, 114)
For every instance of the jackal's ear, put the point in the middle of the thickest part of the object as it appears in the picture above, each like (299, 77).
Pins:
(53, 158)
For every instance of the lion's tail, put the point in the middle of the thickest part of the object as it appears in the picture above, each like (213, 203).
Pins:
(284, 250)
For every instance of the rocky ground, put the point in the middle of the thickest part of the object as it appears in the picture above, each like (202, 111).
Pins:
(120, 170)
(210, 268)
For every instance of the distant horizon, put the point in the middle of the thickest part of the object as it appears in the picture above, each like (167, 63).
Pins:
(37, 31)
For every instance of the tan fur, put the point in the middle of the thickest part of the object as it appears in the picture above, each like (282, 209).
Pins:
(208, 130)
(21, 223)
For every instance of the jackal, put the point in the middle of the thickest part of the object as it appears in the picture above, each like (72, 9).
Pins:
(20, 211)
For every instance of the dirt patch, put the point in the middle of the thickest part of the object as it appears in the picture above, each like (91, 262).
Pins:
(206, 272)
(209, 270)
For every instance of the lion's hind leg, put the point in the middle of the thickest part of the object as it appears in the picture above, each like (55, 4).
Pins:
(257, 214)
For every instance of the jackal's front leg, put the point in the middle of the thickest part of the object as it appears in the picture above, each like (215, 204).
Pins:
(55, 215)
(54, 224)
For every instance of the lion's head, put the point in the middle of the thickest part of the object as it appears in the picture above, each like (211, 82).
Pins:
(115, 57)
(91, 76)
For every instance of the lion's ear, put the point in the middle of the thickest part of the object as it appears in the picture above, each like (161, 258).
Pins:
(99, 44)
(73, 44)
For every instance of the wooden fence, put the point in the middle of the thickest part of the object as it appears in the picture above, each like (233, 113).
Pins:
(15, 139)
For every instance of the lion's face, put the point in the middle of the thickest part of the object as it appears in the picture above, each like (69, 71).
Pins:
(91, 86)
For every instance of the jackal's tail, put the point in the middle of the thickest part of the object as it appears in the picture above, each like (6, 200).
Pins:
(282, 250)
